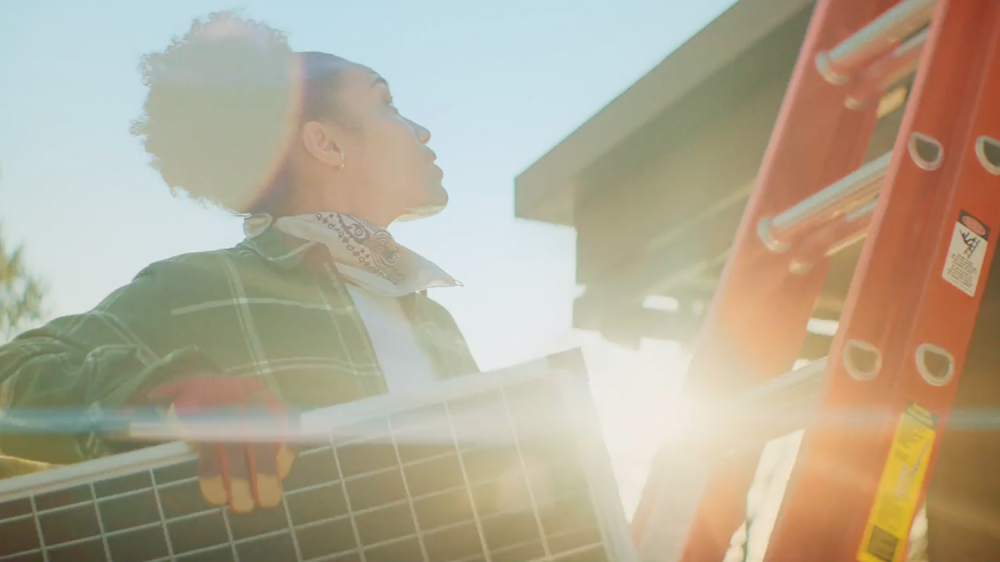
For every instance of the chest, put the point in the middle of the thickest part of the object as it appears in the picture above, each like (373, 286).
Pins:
(403, 358)
(305, 333)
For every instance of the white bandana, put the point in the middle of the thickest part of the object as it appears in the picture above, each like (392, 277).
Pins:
(367, 255)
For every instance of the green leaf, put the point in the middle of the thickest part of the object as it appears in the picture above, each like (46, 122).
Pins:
(21, 294)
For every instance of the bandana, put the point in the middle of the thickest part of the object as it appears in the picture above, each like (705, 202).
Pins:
(364, 253)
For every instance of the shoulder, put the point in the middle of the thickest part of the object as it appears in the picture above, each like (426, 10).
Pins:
(195, 266)
(269, 253)
(203, 275)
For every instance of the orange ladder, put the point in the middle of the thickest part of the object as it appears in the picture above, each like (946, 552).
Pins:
(874, 409)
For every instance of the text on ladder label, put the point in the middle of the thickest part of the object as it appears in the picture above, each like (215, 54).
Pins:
(964, 263)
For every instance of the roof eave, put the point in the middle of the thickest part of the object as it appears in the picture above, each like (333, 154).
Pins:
(545, 191)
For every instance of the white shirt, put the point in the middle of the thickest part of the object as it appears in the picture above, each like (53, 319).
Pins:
(405, 364)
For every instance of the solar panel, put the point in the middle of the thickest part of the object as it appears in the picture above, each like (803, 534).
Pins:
(507, 466)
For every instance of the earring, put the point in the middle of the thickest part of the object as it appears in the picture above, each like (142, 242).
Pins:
(342, 161)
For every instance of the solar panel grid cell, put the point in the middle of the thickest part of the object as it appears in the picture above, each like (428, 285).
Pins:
(491, 476)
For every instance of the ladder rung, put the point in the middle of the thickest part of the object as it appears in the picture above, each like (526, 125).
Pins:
(848, 194)
(785, 390)
(874, 39)
(780, 406)
(765, 412)
(849, 229)
(886, 71)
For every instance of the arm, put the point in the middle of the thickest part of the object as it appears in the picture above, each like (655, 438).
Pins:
(95, 360)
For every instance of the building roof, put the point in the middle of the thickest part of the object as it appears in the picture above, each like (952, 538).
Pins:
(546, 190)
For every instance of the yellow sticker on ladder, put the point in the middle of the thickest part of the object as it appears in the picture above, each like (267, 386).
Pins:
(888, 528)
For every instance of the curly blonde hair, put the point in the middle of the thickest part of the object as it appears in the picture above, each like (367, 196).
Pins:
(224, 101)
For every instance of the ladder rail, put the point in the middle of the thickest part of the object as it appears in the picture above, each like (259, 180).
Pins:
(904, 306)
(743, 340)
(908, 311)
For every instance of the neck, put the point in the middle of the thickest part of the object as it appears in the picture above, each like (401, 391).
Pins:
(332, 200)
(382, 220)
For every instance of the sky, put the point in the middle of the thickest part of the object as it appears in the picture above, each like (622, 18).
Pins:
(498, 83)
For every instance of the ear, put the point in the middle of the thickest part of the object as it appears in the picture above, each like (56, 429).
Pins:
(320, 141)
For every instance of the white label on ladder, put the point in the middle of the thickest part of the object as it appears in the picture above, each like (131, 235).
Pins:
(964, 262)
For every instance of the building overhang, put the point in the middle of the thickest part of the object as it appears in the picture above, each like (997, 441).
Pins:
(546, 191)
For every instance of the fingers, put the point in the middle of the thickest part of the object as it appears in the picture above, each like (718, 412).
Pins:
(224, 477)
(244, 476)
(236, 472)
(210, 480)
(286, 456)
(264, 480)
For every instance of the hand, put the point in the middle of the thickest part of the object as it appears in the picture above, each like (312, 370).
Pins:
(244, 475)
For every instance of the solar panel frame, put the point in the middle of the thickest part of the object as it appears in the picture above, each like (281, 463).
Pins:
(348, 425)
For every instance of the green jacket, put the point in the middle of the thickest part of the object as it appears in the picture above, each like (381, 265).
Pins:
(272, 307)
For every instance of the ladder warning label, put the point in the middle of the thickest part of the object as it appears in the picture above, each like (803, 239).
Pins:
(964, 262)
(888, 527)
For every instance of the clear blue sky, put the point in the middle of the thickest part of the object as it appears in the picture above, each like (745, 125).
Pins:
(498, 82)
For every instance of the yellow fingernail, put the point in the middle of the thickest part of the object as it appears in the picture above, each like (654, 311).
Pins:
(268, 490)
(242, 496)
(213, 490)
(285, 459)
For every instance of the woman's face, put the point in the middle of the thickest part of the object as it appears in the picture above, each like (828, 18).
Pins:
(385, 155)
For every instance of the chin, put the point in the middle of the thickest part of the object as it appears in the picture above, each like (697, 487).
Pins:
(436, 202)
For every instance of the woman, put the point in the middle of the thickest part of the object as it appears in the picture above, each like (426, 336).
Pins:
(317, 306)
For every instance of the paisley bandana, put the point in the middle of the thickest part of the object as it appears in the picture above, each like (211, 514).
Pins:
(372, 248)
(367, 254)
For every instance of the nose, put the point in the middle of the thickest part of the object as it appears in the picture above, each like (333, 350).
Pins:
(423, 135)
